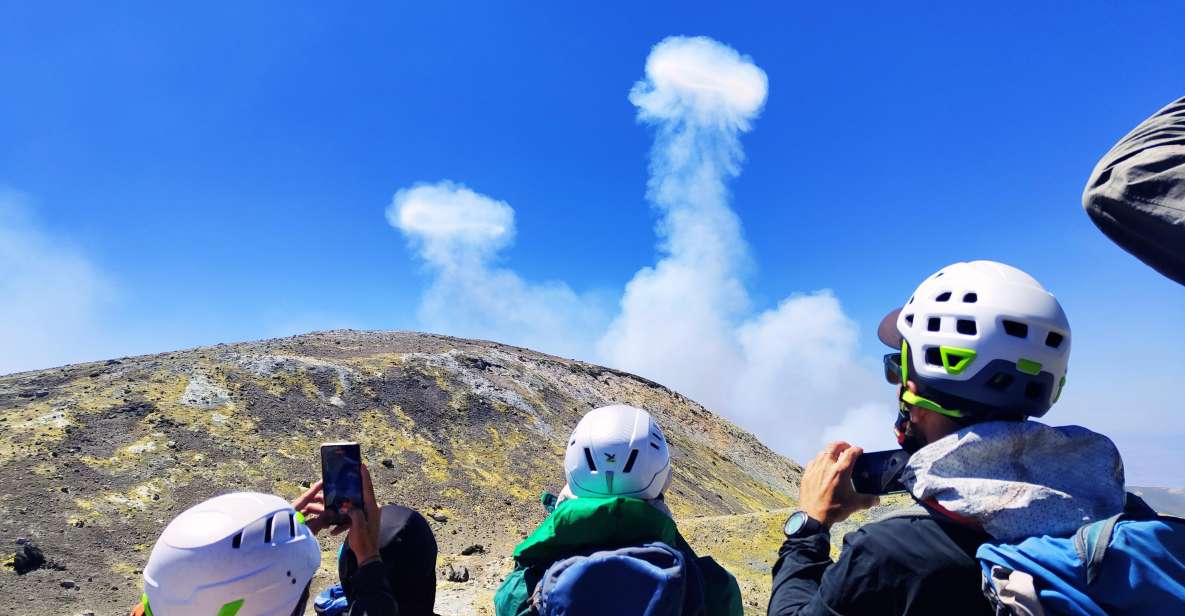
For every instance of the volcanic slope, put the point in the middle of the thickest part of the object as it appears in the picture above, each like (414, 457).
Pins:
(96, 458)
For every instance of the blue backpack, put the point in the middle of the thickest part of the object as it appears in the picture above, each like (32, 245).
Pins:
(331, 602)
(648, 580)
(1130, 563)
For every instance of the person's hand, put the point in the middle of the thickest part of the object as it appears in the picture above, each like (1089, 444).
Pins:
(825, 490)
(364, 523)
(311, 505)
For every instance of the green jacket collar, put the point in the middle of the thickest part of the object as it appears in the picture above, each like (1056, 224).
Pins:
(595, 523)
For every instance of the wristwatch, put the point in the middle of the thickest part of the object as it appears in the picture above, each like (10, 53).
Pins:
(799, 524)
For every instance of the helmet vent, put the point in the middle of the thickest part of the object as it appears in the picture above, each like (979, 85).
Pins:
(657, 436)
(267, 529)
(1000, 381)
(970, 298)
(588, 457)
(1014, 328)
(291, 525)
(629, 463)
(934, 324)
(655, 445)
(1033, 390)
(910, 300)
(933, 356)
(943, 297)
(909, 319)
(1054, 340)
(966, 326)
(237, 541)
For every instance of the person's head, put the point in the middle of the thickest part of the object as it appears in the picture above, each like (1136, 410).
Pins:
(240, 553)
(977, 341)
(408, 550)
(617, 450)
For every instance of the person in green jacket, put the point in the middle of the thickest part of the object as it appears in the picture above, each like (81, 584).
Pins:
(618, 467)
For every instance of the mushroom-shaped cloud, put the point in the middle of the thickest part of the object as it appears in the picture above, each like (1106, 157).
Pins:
(697, 79)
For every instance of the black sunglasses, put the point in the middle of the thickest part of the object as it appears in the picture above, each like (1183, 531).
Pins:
(893, 368)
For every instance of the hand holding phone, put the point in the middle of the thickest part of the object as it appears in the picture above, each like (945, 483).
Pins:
(825, 491)
(878, 472)
(364, 522)
(341, 476)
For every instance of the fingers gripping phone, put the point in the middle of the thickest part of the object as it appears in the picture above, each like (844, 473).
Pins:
(341, 474)
(878, 472)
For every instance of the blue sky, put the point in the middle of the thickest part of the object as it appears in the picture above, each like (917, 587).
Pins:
(220, 173)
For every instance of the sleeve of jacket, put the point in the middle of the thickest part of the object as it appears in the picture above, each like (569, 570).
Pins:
(373, 595)
(807, 583)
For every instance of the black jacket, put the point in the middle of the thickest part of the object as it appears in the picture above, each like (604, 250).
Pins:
(405, 581)
(905, 565)
(372, 594)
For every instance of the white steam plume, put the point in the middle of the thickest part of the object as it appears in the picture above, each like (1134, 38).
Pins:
(784, 374)
(52, 295)
(458, 232)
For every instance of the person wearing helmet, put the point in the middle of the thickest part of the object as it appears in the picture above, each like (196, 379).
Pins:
(252, 554)
(618, 467)
(980, 348)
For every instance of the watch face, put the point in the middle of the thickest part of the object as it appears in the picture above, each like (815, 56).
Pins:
(794, 523)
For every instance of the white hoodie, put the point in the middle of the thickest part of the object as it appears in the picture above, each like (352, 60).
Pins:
(1021, 478)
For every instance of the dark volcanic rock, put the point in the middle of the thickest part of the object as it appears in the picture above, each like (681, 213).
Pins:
(96, 458)
(28, 558)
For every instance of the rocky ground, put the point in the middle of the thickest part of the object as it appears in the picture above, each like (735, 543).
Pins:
(96, 458)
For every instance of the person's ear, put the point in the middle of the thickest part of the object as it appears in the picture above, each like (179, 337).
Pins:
(913, 387)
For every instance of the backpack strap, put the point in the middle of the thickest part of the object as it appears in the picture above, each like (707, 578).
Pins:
(1091, 540)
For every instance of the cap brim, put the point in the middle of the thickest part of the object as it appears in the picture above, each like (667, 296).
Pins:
(887, 331)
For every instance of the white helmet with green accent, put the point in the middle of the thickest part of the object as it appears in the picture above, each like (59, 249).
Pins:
(980, 340)
(233, 555)
(617, 450)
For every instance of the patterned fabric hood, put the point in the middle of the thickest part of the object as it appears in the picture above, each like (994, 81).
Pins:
(1021, 478)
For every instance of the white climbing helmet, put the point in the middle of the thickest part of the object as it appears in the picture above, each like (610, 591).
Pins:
(981, 339)
(240, 554)
(617, 450)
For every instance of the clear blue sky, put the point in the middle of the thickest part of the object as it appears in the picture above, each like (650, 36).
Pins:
(226, 167)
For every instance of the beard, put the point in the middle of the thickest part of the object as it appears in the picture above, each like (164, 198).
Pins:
(908, 436)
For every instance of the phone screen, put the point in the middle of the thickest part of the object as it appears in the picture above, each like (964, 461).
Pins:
(341, 474)
(876, 472)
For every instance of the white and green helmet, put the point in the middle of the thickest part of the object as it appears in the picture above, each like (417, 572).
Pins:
(981, 339)
(617, 450)
(233, 555)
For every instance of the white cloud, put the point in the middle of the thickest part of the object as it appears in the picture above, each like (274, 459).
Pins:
(52, 294)
(452, 225)
(869, 425)
(698, 79)
(785, 374)
(458, 233)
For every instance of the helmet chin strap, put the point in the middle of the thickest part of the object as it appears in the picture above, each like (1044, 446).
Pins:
(913, 399)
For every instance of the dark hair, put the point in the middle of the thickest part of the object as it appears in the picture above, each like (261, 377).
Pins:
(408, 549)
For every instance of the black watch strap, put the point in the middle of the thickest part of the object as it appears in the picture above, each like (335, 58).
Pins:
(799, 524)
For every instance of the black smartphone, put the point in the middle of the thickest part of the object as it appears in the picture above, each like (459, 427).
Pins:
(341, 474)
(877, 472)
